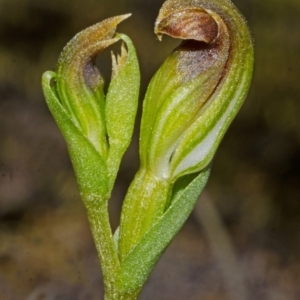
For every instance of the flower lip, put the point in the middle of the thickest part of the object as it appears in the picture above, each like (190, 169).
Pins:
(189, 24)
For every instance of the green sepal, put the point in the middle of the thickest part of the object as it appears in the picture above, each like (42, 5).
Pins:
(89, 166)
(137, 266)
(121, 104)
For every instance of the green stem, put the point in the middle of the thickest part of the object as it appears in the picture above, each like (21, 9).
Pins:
(97, 212)
(132, 296)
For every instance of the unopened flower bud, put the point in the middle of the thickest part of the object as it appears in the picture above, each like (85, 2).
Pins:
(96, 127)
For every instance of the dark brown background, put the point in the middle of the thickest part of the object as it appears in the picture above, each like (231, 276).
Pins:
(46, 250)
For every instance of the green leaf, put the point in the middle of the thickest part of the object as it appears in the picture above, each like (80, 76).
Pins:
(89, 166)
(137, 266)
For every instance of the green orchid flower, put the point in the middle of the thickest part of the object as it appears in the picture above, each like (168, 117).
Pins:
(97, 127)
(189, 104)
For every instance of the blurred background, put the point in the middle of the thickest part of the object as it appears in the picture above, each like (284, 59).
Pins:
(242, 240)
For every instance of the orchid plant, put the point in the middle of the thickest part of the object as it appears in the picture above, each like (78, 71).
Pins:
(189, 104)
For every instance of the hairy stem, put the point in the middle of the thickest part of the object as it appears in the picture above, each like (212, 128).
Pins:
(101, 230)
